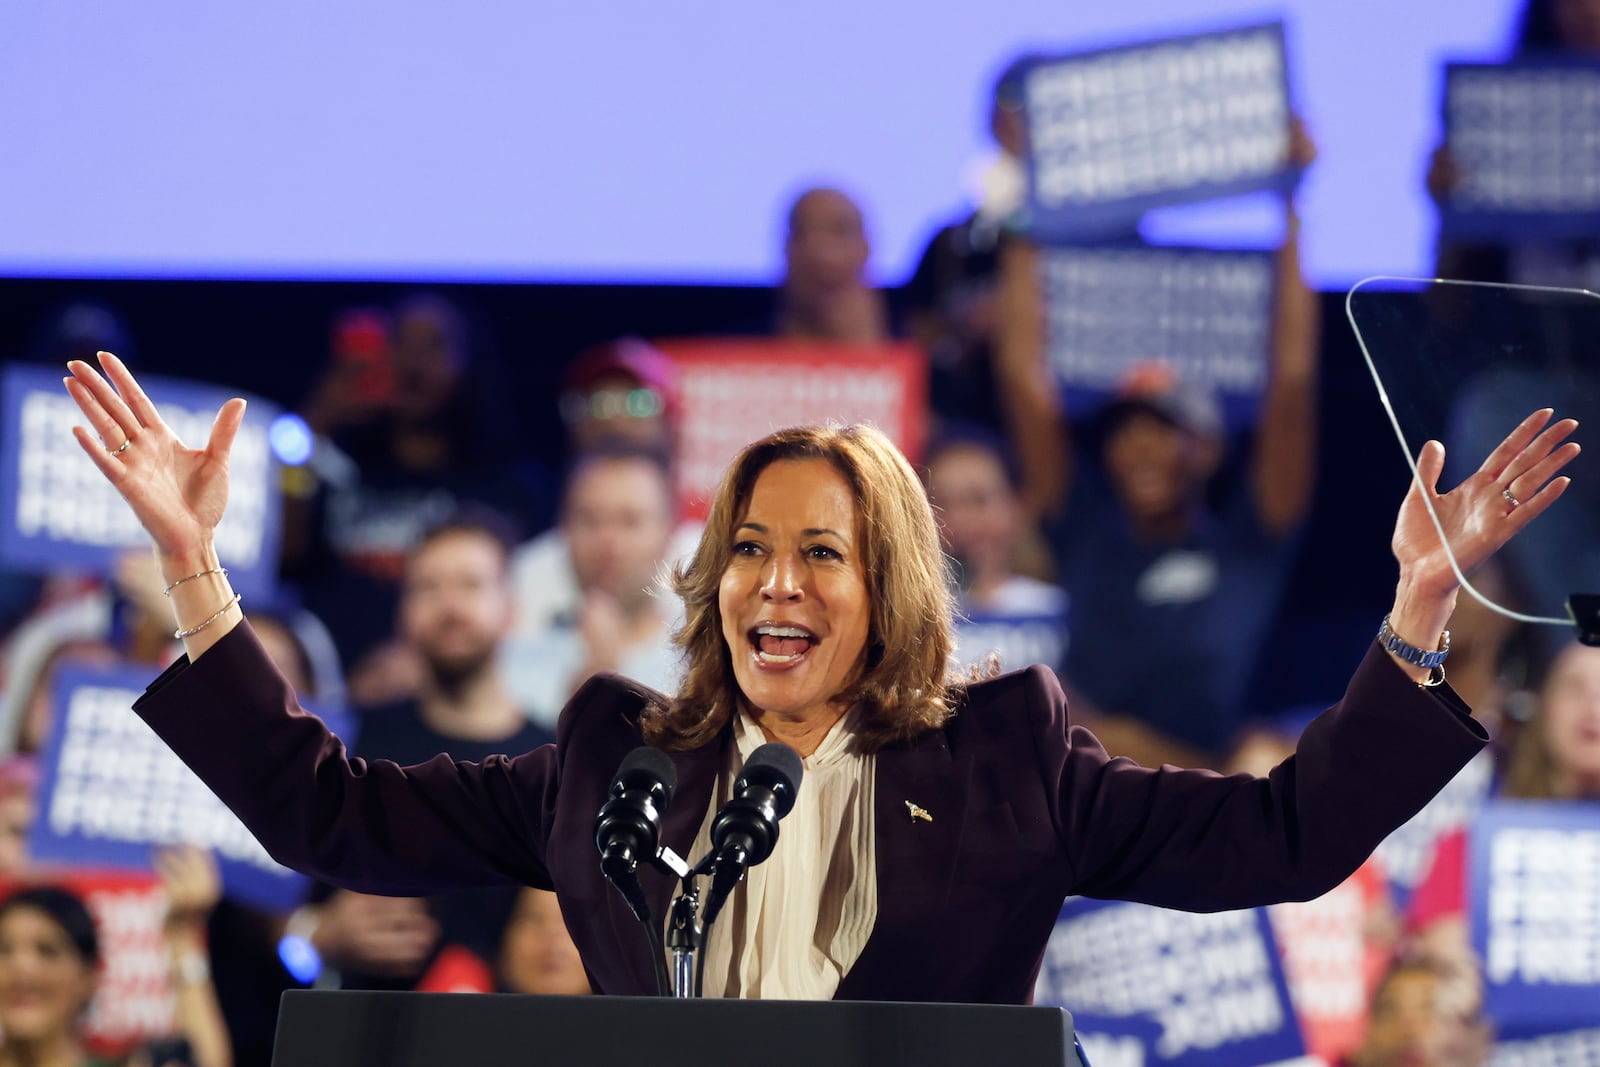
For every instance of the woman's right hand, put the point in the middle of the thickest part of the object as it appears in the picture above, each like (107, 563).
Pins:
(177, 493)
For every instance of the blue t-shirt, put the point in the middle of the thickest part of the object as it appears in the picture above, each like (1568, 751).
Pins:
(1168, 633)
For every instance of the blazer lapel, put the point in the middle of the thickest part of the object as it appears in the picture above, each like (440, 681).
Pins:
(916, 850)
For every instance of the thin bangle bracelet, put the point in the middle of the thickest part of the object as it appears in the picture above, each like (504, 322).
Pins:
(214, 570)
(181, 634)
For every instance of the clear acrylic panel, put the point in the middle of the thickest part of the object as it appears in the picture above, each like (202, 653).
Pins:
(1463, 363)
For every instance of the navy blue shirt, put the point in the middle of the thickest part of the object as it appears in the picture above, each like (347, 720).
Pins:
(1168, 633)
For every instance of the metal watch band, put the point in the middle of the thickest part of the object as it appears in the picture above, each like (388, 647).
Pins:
(1397, 645)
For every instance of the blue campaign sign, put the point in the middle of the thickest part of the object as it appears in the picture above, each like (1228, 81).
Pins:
(1205, 314)
(1547, 1050)
(1191, 990)
(1019, 640)
(110, 790)
(57, 511)
(1116, 132)
(1534, 886)
(1523, 139)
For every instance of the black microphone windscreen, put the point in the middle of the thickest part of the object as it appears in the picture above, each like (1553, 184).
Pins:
(775, 763)
(653, 763)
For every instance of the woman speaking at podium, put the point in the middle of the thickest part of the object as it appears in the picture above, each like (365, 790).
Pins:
(942, 821)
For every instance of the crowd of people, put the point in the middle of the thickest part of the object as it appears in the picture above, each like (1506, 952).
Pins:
(457, 599)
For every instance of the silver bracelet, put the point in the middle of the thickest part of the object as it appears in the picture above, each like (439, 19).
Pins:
(181, 634)
(214, 570)
(1435, 677)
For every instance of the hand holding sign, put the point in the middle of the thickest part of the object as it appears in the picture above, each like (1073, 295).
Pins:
(178, 493)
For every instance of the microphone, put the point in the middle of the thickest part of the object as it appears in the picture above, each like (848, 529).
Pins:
(746, 829)
(628, 828)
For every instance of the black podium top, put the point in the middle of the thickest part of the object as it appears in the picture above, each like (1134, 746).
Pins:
(356, 1029)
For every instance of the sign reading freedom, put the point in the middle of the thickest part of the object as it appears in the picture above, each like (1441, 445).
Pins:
(57, 511)
(110, 790)
(1018, 640)
(1116, 132)
(734, 391)
(1534, 880)
(1523, 139)
(1149, 985)
(1205, 314)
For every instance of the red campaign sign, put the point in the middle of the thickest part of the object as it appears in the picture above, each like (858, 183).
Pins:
(134, 1002)
(1332, 961)
(732, 391)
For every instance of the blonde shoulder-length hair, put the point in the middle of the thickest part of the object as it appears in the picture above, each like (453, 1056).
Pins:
(903, 688)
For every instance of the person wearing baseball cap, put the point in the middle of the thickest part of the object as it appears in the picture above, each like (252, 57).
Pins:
(1175, 559)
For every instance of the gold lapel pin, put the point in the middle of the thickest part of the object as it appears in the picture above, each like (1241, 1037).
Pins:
(916, 812)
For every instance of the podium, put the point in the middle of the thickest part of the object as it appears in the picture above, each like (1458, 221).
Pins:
(361, 1029)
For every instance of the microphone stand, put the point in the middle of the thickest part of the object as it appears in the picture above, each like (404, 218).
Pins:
(684, 938)
(683, 928)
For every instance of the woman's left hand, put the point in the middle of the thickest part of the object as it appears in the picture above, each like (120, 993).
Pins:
(1513, 487)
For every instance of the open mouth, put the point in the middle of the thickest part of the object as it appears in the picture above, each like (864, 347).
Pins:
(780, 645)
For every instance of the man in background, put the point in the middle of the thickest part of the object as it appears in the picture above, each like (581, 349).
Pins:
(455, 610)
(594, 597)
(825, 295)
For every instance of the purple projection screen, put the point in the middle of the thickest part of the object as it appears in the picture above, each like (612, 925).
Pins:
(657, 142)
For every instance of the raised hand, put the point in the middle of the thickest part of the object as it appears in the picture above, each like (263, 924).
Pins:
(1516, 483)
(192, 881)
(178, 493)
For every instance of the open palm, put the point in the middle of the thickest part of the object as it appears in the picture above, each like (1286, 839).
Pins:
(178, 493)
(1515, 484)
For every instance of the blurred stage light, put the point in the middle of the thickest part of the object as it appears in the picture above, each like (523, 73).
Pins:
(291, 440)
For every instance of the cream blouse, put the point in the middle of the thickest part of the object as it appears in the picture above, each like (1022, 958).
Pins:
(793, 928)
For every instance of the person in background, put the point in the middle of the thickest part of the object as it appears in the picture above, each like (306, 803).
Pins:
(421, 430)
(622, 396)
(1425, 1013)
(825, 294)
(975, 489)
(1174, 587)
(49, 962)
(617, 532)
(1556, 757)
(622, 390)
(19, 783)
(951, 301)
(975, 485)
(49, 955)
(107, 621)
(537, 954)
(455, 611)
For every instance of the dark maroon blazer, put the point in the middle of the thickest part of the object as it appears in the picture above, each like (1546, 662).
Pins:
(1025, 810)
